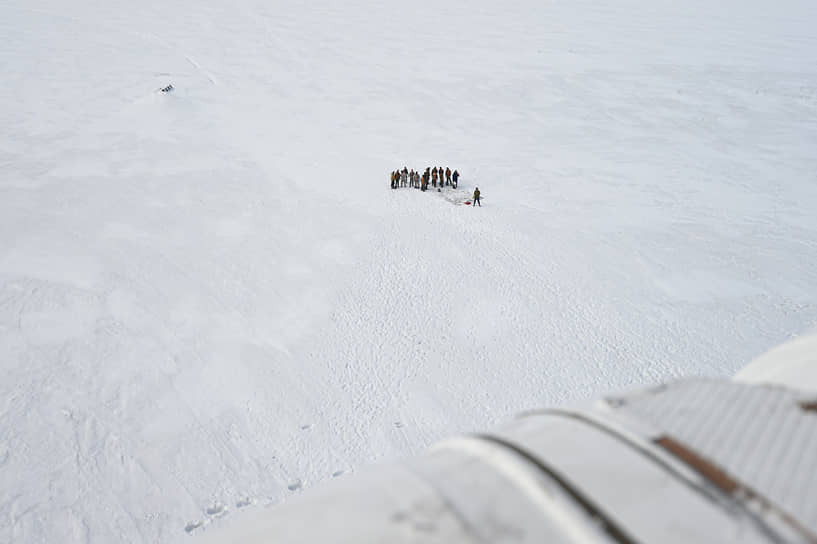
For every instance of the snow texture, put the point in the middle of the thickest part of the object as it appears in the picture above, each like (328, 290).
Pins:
(210, 299)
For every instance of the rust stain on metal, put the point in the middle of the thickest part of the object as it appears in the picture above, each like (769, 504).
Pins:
(809, 406)
(704, 467)
(728, 484)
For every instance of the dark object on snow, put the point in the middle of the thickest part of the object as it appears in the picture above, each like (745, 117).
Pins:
(476, 198)
(167, 89)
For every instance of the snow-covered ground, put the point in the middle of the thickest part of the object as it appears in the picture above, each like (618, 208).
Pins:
(211, 298)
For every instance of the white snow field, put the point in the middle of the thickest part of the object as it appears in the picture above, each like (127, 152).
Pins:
(211, 299)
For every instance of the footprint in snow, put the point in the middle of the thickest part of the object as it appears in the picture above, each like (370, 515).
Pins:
(296, 485)
(192, 526)
(241, 503)
(306, 427)
(338, 473)
(399, 424)
(216, 510)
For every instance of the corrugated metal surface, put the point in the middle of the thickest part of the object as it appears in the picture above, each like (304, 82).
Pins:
(760, 435)
(648, 502)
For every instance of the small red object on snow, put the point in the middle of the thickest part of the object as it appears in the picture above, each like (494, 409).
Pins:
(467, 202)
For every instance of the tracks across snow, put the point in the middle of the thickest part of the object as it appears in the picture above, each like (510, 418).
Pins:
(443, 313)
(211, 300)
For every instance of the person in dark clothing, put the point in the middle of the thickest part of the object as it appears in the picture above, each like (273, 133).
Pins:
(454, 177)
(476, 197)
(448, 176)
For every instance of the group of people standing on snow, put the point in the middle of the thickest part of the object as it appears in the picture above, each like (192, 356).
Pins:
(435, 176)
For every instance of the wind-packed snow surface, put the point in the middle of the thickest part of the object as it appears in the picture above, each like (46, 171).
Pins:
(210, 298)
